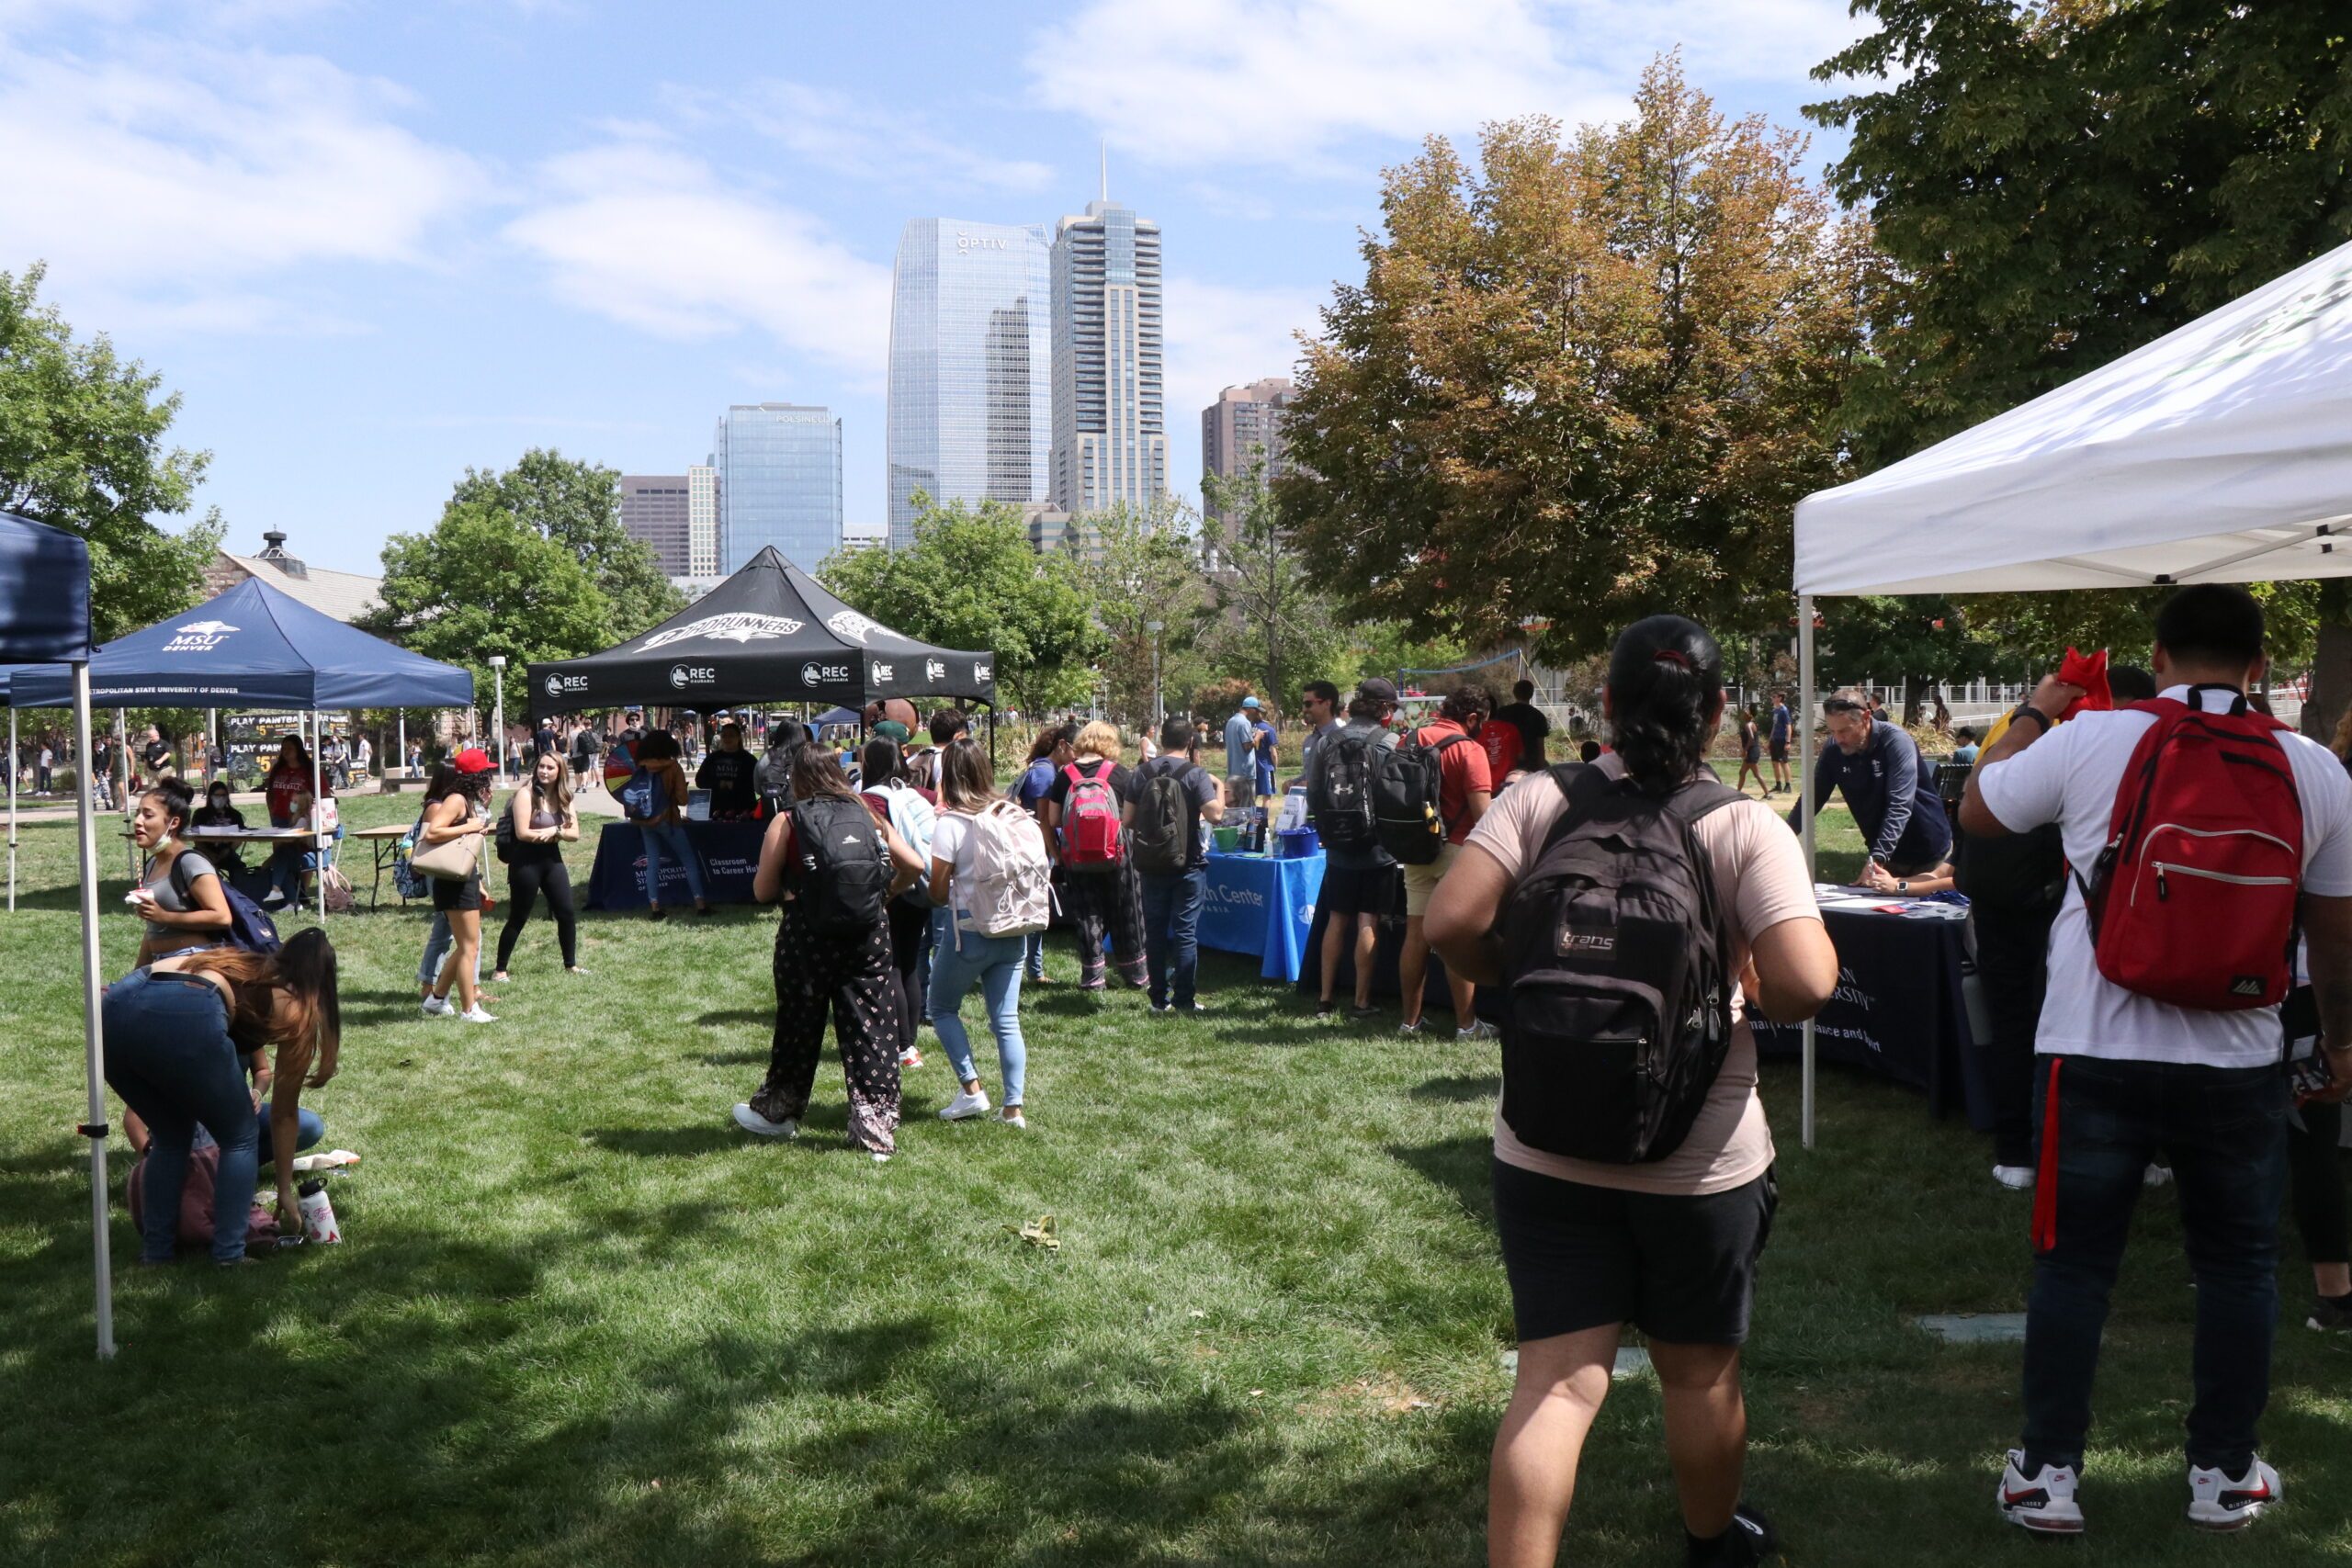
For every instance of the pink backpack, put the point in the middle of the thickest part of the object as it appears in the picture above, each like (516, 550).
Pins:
(1091, 840)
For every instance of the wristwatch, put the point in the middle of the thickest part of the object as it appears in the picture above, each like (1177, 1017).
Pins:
(1904, 885)
(2027, 710)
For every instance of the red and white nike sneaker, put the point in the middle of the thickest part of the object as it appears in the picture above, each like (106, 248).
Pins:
(2042, 1502)
(2217, 1502)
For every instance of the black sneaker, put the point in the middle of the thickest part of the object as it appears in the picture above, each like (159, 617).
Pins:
(1750, 1539)
(2331, 1315)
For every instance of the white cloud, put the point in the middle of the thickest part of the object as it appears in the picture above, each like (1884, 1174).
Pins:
(1287, 83)
(174, 185)
(1220, 336)
(650, 236)
(830, 131)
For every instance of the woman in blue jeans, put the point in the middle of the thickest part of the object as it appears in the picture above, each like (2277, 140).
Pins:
(965, 957)
(178, 1036)
(663, 827)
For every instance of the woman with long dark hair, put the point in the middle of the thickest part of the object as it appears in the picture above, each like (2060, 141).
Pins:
(544, 822)
(456, 807)
(1669, 1246)
(830, 956)
(179, 892)
(291, 788)
(179, 1033)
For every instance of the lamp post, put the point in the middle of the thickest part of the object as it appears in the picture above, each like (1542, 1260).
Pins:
(1157, 717)
(498, 678)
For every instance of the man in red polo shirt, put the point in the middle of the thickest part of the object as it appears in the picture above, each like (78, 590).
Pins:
(1465, 786)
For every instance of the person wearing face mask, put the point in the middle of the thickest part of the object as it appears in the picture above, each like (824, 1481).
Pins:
(179, 892)
(218, 812)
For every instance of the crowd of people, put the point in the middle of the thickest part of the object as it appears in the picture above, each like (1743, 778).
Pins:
(1633, 1171)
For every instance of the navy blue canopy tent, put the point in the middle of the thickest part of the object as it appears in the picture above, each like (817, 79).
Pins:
(45, 620)
(253, 647)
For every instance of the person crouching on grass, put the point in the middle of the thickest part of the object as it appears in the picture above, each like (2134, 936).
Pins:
(1671, 1245)
(823, 964)
(178, 1036)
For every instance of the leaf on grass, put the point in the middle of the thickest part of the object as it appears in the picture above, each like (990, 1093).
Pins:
(1038, 1232)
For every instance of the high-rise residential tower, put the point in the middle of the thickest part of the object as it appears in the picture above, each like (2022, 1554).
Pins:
(654, 512)
(779, 483)
(971, 366)
(1110, 431)
(701, 520)
(1244, 426)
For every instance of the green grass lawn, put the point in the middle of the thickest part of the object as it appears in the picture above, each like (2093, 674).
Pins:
(580, 1319)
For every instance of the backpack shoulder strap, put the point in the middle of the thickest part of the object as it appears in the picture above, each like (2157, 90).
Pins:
(1582, 786)
(1702, 798)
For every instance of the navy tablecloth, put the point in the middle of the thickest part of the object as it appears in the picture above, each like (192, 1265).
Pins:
(1264, 906)
(730, 854)
(1899, 1010)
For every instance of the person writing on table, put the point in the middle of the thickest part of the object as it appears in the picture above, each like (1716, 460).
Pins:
(1875, 766)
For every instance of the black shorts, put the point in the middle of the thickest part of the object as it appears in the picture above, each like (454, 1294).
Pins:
(1348, 890)
(1780, 751)
(1681, 1269)
(457, 895)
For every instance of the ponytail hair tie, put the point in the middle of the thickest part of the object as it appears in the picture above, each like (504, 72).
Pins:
(1671, 656)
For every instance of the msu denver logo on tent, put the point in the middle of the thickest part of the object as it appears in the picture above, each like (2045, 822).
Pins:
(199, 637)
(738, 626)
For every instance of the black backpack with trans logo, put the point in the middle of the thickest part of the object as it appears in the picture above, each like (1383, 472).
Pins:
(845, 864)
(1618, 961)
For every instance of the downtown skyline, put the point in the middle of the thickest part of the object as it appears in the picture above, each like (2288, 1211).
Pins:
(371, 247)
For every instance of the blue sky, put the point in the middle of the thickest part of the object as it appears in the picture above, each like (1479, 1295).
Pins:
(374, 243)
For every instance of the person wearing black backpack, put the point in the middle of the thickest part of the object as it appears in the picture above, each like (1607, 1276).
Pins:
(835, 866)
(1619, 904)
(1167, 799)
(1464, 789)
(1360, 878)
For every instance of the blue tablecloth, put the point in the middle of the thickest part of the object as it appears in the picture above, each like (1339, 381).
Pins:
(729, 852)
(1264, 906)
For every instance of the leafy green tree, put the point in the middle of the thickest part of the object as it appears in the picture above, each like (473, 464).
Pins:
(484, 581)
(578, 505)
(2057, 186)
(1272, 624)
(971, 580)
(82, 448)
(1586, 381)
(1145, 569)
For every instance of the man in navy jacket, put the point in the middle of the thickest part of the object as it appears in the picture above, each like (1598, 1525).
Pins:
(1893, 797)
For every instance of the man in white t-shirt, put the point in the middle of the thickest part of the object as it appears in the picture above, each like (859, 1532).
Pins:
(2134, 1076)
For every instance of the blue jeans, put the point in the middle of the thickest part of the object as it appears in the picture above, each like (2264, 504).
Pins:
(311, 1129)
(995, 962)
(674, 839)
(1033, 953)
(169, 1056)
(2225, 1129)
(437, 943)
(1171, 927)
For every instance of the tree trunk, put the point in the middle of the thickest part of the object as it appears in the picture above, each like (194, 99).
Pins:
(1912, 688)
(2331, 673)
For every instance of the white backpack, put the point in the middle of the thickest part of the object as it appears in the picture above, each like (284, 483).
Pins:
(1012, 880)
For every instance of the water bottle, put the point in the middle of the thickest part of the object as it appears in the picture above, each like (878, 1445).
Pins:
(318, 1214)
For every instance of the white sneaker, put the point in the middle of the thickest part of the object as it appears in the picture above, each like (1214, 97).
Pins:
(964, 1106)
(752, 1120)
(1014, 1120)
(2156, 1175)
(437, 1007)
(2016, 1178)
(1479, 1030)
(475, 1015)
(2043, 1504)
(909, 1057)
(2218, 1503)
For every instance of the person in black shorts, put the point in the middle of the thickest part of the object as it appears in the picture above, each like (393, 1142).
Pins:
(455, 808)
(1361, 884)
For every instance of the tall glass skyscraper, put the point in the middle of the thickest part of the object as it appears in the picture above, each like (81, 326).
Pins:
(971, 366)
(779, 472)
(1110, 426)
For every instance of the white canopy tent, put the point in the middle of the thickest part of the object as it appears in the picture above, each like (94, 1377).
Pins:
(2220, 453)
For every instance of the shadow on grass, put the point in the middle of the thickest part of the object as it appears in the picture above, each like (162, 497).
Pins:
(1464, 1166)
(721, 1019)
(671, 1143)
(1459, 1087)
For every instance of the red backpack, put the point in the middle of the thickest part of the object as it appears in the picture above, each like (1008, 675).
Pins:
(2192, 902)
(1090, 821)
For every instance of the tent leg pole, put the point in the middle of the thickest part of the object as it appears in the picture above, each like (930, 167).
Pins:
(123, 801)
(318, 810)
(1804, 806)
(12, 811)
(93, 1030)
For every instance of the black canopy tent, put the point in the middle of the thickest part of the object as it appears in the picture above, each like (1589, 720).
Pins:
(770, 633)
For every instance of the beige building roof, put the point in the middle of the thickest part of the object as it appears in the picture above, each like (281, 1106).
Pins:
(346, 595)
